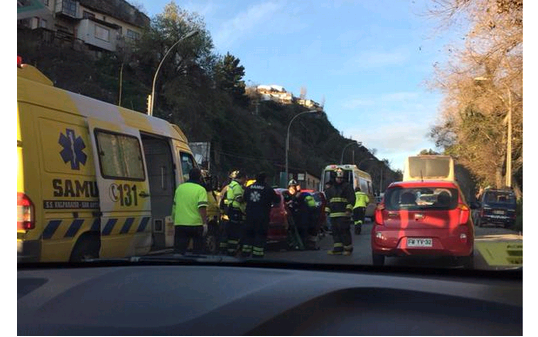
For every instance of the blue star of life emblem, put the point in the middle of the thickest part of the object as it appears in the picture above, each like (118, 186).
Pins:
(73, 147)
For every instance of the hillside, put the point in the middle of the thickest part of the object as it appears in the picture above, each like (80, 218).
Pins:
(239, 137)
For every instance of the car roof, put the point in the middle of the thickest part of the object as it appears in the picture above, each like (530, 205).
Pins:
(425, 183)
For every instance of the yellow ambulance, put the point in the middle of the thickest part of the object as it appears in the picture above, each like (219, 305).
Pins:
(94, 179)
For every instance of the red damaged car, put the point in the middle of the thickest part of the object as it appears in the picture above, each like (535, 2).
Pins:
(278, 222)
(423, 218)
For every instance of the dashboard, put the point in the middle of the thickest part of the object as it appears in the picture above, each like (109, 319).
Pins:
(265, 299)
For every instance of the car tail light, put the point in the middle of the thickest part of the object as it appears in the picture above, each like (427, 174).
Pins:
(464, 213)
(379, 214)
(463, 238)
(19, 61)
(25, 212)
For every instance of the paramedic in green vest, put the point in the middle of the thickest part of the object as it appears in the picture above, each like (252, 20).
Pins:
(236, 207)
(359, 210)
(189, 213)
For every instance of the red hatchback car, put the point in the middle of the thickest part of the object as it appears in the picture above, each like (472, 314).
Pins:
(423, 218)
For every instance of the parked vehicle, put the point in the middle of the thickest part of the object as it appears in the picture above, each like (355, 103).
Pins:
(94, 180)
(497, 207)
(423, 218)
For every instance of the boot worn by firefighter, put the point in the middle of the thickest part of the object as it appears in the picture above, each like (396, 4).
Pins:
(348, 250)
(358, 227)
(338, 249)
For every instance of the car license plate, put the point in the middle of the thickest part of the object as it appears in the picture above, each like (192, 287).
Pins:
(419, 242)
(498, 212)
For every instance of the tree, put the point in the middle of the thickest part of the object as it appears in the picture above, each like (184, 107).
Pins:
(428, 152)
(229, 77)
(481, 84)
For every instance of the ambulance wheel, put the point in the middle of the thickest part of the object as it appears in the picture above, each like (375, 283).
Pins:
(86, 248)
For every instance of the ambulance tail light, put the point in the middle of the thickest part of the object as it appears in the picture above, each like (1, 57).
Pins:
(25, 212)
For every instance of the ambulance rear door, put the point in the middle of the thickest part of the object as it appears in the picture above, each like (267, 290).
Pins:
(123, 184)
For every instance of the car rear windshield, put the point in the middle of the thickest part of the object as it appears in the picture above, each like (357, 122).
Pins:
(499, 197)
(421, 198)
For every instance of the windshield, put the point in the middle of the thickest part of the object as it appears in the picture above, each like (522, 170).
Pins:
(424, 198)
(507, 198)
(127, 109)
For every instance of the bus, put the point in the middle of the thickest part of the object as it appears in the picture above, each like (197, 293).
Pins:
(356, 178)
(429, 167)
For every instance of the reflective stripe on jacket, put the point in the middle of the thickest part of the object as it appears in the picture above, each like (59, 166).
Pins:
(340, 200)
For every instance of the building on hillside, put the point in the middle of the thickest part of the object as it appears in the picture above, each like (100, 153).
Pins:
(275, 93)
(100, 25)
(310, 104)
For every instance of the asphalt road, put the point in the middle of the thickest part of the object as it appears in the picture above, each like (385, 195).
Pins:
(362, 253)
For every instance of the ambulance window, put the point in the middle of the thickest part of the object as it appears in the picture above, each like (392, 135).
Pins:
(120, 156)
(187, 163)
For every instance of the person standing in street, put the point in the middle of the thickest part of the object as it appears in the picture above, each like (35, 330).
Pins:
(340, 201)
(224, 220)
(189, 213)
(259, 198)
(236, 212)
(359, 209)
(303, 208)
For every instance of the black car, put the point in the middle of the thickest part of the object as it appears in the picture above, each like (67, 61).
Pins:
(497, 206)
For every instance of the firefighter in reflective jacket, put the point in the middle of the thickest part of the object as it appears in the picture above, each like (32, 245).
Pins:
(340, 201)
(361, 201)
(224, 220)
(259, 197)
(236, 211)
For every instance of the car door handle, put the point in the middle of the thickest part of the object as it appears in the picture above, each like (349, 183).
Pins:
(143, 194)
(419, 216)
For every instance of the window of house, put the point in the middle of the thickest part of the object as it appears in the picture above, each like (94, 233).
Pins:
(132, 34)
(102, 33)
(46, 2)
(69, 7)
(43, 23)
(120, 156)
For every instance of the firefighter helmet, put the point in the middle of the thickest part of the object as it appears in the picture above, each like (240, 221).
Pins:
(293, 182)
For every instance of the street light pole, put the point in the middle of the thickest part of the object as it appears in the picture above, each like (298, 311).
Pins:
(344, 149)
(288, 137)
(152, 98)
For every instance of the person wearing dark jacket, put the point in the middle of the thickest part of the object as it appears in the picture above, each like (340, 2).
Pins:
(340, 201)
(259, 198)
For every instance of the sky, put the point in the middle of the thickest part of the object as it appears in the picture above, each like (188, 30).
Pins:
(368, 61)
